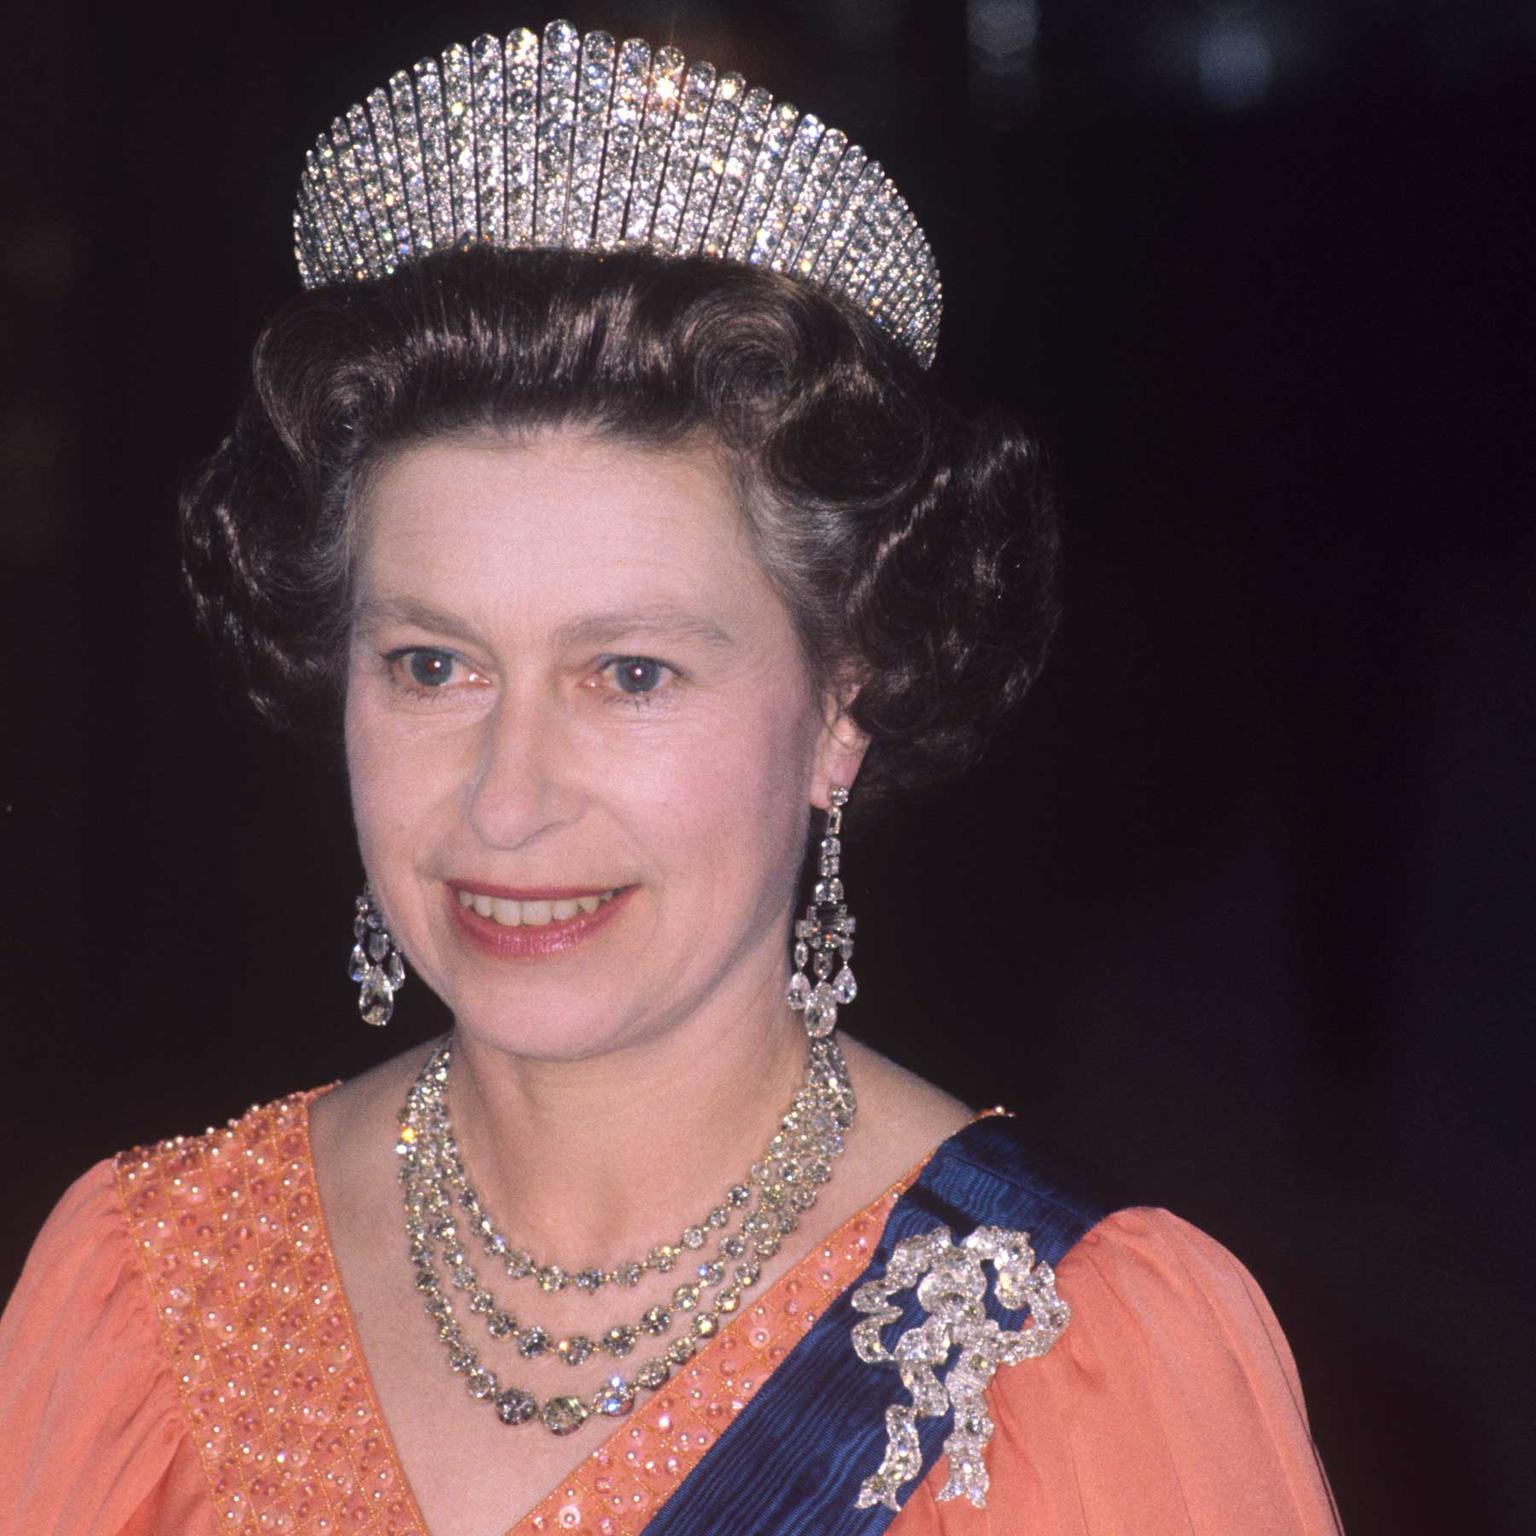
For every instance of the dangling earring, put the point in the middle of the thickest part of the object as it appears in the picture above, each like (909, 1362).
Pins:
(377, 964)
(825, 930)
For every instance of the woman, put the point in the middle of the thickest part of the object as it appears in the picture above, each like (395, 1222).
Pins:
(599, 489)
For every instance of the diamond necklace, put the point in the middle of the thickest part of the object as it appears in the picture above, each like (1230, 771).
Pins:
(521, 1265)
(797, 1161)
(532, 1341)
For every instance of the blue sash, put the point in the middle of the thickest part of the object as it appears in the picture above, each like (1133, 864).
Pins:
(793, 1459)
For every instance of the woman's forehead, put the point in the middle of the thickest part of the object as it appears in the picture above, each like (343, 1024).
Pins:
(556, 525)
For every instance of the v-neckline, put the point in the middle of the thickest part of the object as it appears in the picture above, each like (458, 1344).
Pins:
(828, 1270)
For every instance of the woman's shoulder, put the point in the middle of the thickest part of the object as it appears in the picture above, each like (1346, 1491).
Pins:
(1144, 1265)
(94, 1224)
(1169, 1400)
(146, 1314)
(92, 1433)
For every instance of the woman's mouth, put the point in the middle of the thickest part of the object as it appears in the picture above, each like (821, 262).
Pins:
(506, 924)
(509, 913)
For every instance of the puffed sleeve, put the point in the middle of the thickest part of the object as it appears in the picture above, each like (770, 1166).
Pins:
(92, 1437)
(1170, 1405)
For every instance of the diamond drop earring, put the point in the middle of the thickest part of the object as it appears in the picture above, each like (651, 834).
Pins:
(825, 930)
(377, 964)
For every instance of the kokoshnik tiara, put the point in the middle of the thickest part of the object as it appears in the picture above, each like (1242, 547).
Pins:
(579, 143)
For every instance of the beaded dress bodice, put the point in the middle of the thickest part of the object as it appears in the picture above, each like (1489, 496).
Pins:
(280, 1406)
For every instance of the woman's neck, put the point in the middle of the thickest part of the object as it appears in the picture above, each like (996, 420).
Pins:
(592, 1162)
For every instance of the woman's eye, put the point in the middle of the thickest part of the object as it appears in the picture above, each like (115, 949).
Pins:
(425, 669)
(637, 676)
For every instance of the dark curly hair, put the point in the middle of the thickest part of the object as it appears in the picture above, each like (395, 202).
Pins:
(911, 543)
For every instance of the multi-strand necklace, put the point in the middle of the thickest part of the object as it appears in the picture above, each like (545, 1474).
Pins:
(444, 1216)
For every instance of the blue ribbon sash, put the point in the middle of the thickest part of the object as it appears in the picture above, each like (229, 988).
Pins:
(793, 1459)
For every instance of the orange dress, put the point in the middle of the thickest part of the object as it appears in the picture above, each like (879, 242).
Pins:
(179, 1359)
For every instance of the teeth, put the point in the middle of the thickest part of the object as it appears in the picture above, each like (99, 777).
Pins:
(526, 914)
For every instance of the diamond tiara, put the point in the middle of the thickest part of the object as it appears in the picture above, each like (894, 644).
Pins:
(579, 143)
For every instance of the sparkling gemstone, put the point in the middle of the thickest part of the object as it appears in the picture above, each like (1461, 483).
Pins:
(564, 1415)
(738, 1194)
(656, 1320)
(844, 987)
(576, 1350)
(685, 1298)
(378, 945)
(821, 1013)
(619, 1341)
(718, 1217)
(681, 1351)
(652, 1375)
(376, 1001)
(706, 1325)
(799, 990)
(802, 957)
(589, 1280)
(551, 1278)
(614, 1398)
(501, 1324)
(360, 965)
(481, 1383)
(514, 1406)
(629, 1274)
(693, 1237)
(713, 1272)
(532, 1342)
(663, 1258)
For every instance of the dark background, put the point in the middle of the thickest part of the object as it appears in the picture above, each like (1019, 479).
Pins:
(1240, 915)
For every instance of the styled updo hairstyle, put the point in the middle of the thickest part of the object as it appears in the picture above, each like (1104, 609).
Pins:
(913, 546)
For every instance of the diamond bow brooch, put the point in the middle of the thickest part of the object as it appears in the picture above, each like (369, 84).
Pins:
(951, 1288)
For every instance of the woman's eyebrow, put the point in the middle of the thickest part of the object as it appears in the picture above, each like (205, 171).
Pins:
(663, 619)
(371, 612)
(655, 619)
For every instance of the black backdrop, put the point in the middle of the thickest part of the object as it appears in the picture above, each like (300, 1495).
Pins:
(1240, 913)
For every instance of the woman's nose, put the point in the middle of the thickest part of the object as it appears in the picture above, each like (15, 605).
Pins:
(520, 782)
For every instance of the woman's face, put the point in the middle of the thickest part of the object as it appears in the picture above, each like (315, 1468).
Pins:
(582, 740)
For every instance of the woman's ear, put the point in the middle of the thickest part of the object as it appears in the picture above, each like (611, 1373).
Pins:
(841, 746)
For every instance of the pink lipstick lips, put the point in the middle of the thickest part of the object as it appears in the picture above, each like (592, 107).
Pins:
(524, 922)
